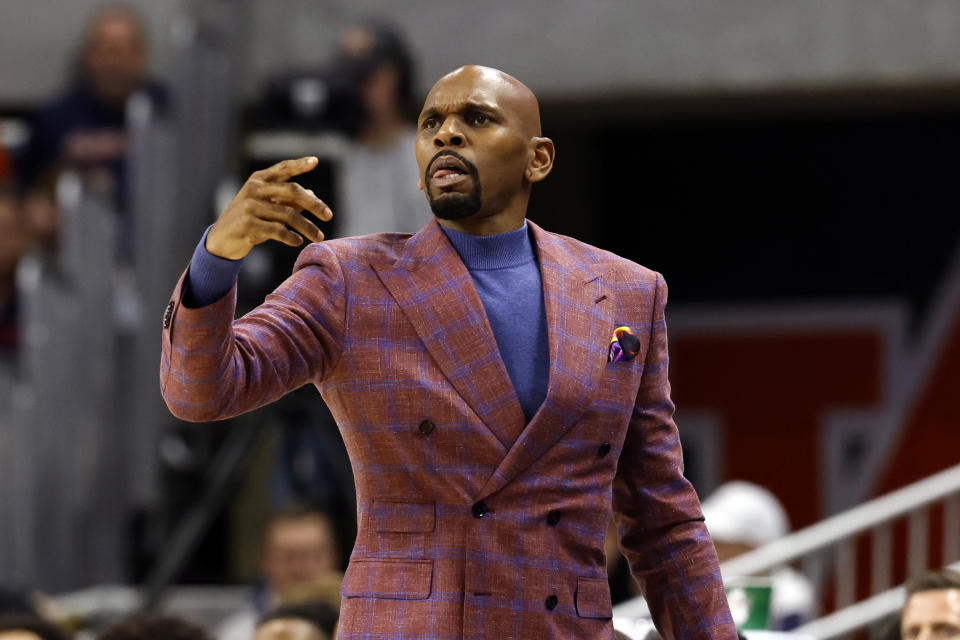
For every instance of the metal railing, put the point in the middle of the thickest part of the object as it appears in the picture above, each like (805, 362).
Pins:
(829, 549)
(834, 540)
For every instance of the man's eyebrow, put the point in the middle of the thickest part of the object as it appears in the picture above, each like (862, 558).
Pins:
(470, 105)
(432, 112)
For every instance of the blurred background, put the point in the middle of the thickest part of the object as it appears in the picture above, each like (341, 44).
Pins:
(790, 167)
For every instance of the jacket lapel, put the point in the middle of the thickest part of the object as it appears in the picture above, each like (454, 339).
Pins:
(437, 294)
(577, 331)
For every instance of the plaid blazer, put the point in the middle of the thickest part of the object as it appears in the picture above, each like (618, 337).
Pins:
(472, 523)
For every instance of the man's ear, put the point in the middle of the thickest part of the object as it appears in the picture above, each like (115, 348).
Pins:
(541, 162)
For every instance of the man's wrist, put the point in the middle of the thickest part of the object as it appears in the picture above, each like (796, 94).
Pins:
(211, 277)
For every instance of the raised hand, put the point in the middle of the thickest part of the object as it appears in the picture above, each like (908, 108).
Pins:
(268, 207)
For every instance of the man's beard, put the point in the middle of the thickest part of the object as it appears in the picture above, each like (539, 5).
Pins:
(453, 205)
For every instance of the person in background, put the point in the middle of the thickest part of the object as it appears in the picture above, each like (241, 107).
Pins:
(14, 241)
(742, 516)
(6, 165)
(380, 193)
(28, 626)
(84, 129)
(379, 181)
(932, 609)
(303, 621)
(299, 548)
(154, 627)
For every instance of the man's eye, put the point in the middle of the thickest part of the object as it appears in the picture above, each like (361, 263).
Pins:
(429, 123)
(479, 118)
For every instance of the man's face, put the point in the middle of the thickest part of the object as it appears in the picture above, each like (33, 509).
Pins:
(115, 57)
(296, 551)
(932, 615)
(473, 145)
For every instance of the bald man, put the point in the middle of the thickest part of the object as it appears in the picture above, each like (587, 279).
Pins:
(499, 389)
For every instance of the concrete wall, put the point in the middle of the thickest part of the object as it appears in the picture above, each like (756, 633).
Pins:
(624, 46)
(567, 49)
(573, 47)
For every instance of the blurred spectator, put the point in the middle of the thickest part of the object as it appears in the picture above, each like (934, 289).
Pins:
(742, 516)
(84, 128)
(25, 626)
(303, 621)
(366, 94)
(932, 609)
(13, 243)
(153, 627)
(6, 168)
(299, 548)
(379, 181)
(379, 175)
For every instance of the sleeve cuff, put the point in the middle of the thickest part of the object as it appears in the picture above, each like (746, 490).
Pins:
(210, 277)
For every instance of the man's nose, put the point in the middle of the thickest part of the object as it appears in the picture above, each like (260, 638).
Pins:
(449, 135)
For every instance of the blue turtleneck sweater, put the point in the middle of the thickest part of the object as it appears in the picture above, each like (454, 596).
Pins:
(506, 274)
(505, 271)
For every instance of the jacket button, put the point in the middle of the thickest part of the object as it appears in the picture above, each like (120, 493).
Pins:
(553, 518)
(551, 602)
(480, 509)
(167, 315)
(426, 427)
(604, 449)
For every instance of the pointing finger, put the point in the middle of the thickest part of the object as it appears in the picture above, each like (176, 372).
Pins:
(283, 171)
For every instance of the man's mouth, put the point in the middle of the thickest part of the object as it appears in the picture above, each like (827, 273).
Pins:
(448, 170)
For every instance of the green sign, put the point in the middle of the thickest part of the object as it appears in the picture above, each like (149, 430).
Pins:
(749, 600)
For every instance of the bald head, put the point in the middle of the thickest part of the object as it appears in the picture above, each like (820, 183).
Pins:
(479, 149)
(514, 97)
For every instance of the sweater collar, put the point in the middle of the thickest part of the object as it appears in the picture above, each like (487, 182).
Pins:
(499, 251)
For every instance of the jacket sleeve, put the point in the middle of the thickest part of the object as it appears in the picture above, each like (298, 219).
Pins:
(214, 367)
(657, 511)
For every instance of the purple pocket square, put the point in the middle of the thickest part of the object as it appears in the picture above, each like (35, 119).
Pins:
(624, 345)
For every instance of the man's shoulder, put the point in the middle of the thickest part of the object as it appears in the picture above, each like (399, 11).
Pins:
(376, 248)
(600, 261)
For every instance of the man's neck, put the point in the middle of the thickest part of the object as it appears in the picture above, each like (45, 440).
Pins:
(507, 218)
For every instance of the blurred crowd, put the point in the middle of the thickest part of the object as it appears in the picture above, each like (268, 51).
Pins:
(364, 95)
(81, 130)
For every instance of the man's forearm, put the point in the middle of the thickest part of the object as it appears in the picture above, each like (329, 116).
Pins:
(213, 368)
(680, 577)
